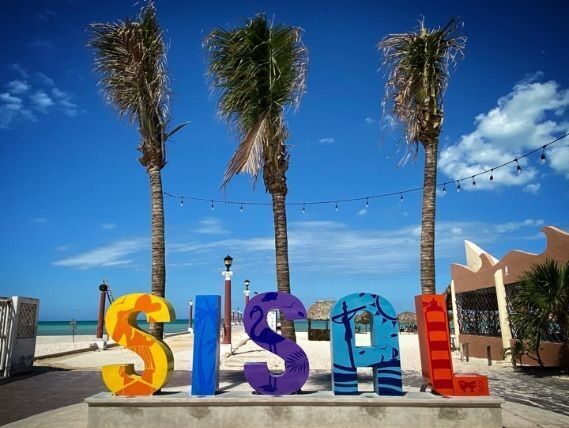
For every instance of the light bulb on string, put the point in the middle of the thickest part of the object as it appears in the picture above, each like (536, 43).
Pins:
(303, 208)
(181, 202)
(401, 198)
(367, 202)
(336, 207)
(241, 209)
(542, 157)
(458, 185)
(473, 182)
(518, 167)
(492, 175)
(212, 206)
(444, 189)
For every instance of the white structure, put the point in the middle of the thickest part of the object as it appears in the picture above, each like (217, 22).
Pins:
(18, 331)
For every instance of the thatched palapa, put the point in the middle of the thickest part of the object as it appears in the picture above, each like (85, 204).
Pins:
(319, 311)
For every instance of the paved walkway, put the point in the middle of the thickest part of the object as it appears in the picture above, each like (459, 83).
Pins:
(53, 395)
(48, 389)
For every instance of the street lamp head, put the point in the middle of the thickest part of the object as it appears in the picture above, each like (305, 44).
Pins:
(103, 287)
(191, 302)
(247, 282)
(227, 261)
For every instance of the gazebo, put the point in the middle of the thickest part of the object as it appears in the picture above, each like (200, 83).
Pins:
(319, 311)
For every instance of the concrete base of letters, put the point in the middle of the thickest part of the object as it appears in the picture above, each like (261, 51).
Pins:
(316, 409)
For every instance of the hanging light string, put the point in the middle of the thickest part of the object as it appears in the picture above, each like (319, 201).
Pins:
(443, 185)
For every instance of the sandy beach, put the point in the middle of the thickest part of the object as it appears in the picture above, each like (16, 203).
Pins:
(243, 351)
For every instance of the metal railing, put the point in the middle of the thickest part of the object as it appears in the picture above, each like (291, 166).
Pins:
(6, 321)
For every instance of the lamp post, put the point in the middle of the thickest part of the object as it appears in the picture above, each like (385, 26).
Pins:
(191, 321)
(246, 291)
(227, 261)
(103, 288)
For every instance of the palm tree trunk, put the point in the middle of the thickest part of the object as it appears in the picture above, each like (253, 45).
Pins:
(158, 254)
(428, 218)
(281, 252)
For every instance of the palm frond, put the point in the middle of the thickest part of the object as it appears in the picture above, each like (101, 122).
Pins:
(418, 66)
(540, 303)
(130, 57)
(258, 70)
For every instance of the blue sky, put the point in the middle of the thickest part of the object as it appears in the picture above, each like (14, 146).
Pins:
(76, 200)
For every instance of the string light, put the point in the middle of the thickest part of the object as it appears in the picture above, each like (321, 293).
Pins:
(518, 167)
(444, 189)
(542, 159)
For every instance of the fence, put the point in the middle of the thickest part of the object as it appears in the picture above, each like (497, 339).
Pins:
(6, 333)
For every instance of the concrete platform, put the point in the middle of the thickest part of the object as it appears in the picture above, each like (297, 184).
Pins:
(309, 409)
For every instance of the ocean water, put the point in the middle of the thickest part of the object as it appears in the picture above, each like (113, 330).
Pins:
(63, 328)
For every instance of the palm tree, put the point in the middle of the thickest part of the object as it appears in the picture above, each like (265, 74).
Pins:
(418, 63)
(130, 56)
(539, 306)
(259, 69)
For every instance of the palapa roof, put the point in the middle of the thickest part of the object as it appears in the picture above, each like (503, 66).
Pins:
(320, 310)
(407, 317)
(363, 318)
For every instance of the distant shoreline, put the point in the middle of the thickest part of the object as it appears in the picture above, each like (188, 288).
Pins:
(89, 328)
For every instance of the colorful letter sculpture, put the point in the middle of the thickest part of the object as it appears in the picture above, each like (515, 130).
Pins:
(205, 372)
(296, 361)
(434, 346)
(382, 355)
(120, 321)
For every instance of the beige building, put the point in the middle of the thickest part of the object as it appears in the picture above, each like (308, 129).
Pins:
(481, 290)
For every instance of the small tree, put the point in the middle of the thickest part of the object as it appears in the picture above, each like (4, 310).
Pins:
(541, 304)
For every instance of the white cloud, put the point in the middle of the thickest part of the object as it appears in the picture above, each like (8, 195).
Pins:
(347, 250)
(44, 79)
(515, 225)
(532, 188)
(18, 86)
(533, 114)
(211, 226)
(341, 248)
(32, 95)
(115, 254)
(362, 212)
(370, 121)
(327, 140)
(18, 69)
(108, 226)
(41, 101)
